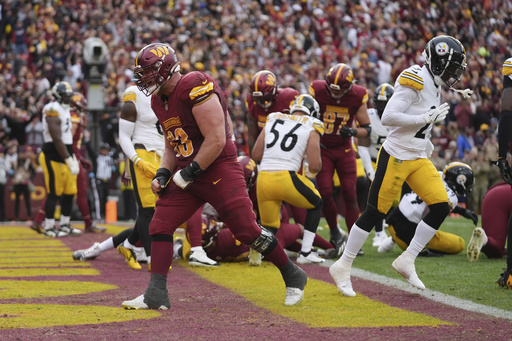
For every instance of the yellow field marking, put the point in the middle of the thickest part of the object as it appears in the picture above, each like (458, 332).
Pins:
(49, 315)
(35, 260)
(36, 253)
(37, 289)
(46, 242)
(323, 305)
(58, 271)
(34, 249)
(49, 265)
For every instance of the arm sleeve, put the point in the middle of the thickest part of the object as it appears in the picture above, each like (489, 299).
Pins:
(364, 153)
(126, 129)
(394, 114)
(504, 133)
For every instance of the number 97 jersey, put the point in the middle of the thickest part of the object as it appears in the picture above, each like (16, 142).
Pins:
(286, 140)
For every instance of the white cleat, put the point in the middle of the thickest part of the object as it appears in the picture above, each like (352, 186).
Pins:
(387, 245)
(138, 303)
(87, 254)
(405, 267)
(293, 296)
(199, 258)
(379, 238)
(70, 230)
(312, 257)
(341, 276)
(140, 255)
(478, 240)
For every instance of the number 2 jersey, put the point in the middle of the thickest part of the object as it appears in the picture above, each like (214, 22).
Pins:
(286, 140)
(178, 123)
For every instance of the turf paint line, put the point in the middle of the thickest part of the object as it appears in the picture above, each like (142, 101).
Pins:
(427, 293)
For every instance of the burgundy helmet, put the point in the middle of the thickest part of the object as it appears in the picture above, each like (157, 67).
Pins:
(154, 65)
(79, 102)
(339, 80)
(264, 88)
(250, 170)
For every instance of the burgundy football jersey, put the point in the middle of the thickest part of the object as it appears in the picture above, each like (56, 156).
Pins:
(285, 98)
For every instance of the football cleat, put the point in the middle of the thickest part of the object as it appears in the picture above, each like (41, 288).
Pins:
(37, 227)
(505, 280)
(341, 276)
(379, 238)
(477, 241)
(404, 265)
(140, 254)
(138, 303)
(387, 245)
(311, 257)
(87, 254)
(339, 246)
(295, 287)
(54, 233)
(293, 296)
(199, 258)
(254, 258)
(70, 230)
(128, 256)
(94, 229)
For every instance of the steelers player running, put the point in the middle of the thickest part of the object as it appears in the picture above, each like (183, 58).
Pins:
(280, 149)
(411, 112)
(199, 165)
(377, 137)
(59, 163)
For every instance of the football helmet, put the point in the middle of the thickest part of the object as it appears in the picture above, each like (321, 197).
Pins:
(459, 177)
(62, 92)
(264, 88)
(154, 65)
(307, 104)
(338, 80)
(446, 59)
(210, 229)
(381, 97)
(250, 170)
(79, 102)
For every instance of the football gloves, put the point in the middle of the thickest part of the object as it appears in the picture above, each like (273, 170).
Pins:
(146, 167)
(471, 215)
(73, 164)
(505, 171)
(436, 114)
(163, 175)
(347, 132)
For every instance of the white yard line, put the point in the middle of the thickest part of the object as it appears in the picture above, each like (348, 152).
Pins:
(429, 294)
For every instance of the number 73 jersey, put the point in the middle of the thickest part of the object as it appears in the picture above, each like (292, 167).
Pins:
(286, 140)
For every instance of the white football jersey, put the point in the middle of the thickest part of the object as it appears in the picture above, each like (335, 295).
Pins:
(54, 109)
(286, 139)
(147, 129)
(507, 68)
(410, 142)
(378, 135)
(414, 209)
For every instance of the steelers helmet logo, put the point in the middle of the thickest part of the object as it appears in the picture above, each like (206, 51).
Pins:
(442, 48)
(462, 179)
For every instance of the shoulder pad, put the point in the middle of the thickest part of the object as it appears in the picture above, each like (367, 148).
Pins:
(311, 90)
(507, 67)
(411, 78)
(130, 96)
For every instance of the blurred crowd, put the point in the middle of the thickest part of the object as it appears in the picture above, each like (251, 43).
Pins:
(41, 43)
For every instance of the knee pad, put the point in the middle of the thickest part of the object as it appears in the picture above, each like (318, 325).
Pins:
(370, 217)
(437, 214)
(265, 243)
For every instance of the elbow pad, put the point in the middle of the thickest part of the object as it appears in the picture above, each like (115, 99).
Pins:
(368, 128)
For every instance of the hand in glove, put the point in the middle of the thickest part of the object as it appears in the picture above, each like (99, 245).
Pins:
(437, 114)
(148, 168)
(184, 177)
(347, 132)
(471, 215)
(73, 164)
(162, 177)
(505, 171)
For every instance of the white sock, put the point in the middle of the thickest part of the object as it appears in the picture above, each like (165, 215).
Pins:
(64, 220)
(422, 236)
(307, 241)
(107, 244)
(196, 248)
(49, 223)
(356, 239)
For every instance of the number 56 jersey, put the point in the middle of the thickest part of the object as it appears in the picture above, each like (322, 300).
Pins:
(286, 139)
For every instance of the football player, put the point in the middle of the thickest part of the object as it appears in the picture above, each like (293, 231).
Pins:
(342, 103)
(377, 136)
(58, 161)
(458, 180)
(200, 159)
(404, 157)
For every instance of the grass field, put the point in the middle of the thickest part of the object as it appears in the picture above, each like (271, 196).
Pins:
(451, 274)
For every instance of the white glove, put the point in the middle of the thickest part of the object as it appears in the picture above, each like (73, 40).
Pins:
(430, 149)
(437, 114)
(73, 164)
(178, 180)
